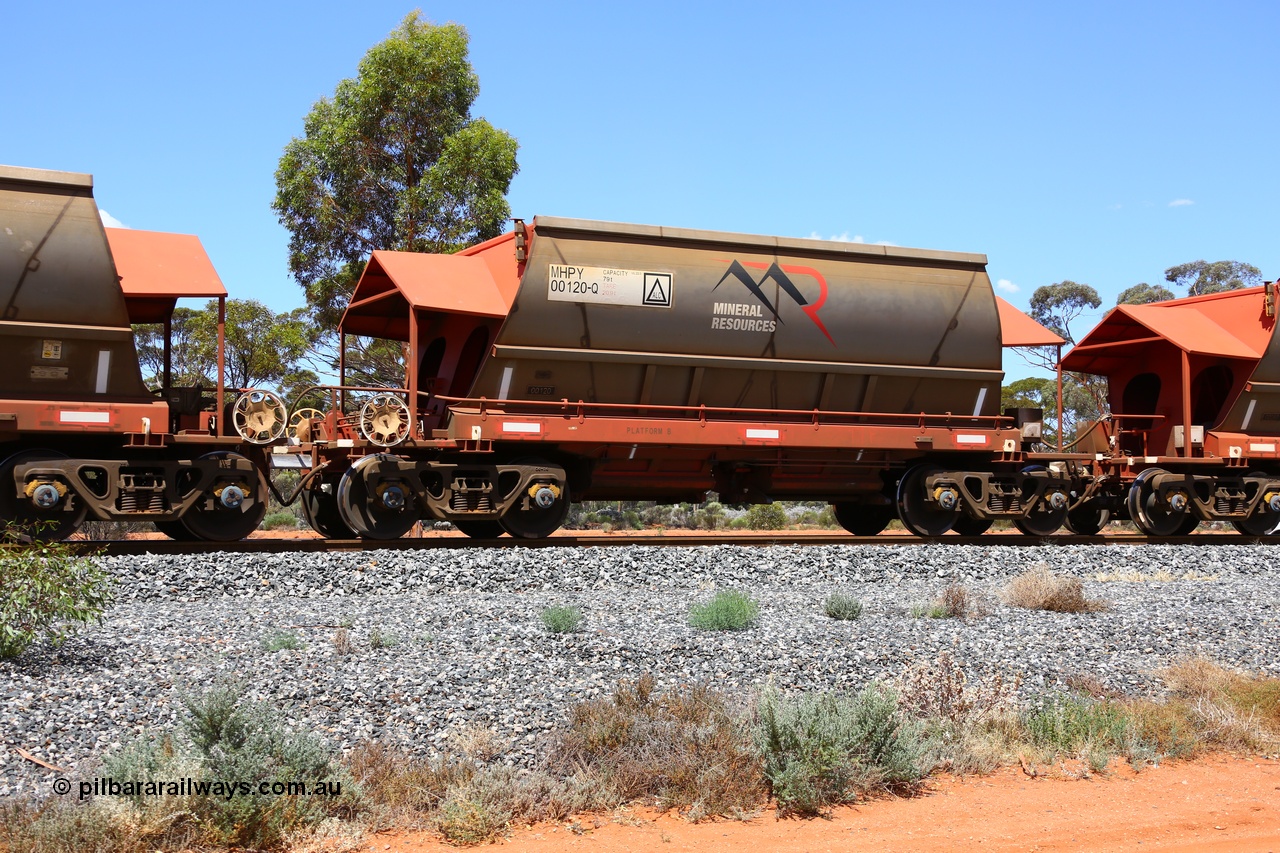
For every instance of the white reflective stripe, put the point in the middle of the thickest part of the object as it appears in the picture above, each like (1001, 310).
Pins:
(104, 370)
(982, 398)
(506, 382)
(1150, 460)
(84, 417)
(1248, 413)
(517, 426)
(345, 442)
(971, 439)
(762, 433)
(1262, 448)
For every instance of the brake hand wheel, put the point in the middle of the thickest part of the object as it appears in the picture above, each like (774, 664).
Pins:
(384, 420)
(258, 416)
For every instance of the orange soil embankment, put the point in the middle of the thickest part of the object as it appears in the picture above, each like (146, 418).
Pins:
(1216, 805)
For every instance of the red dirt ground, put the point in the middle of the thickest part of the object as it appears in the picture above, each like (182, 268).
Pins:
(1218, 805)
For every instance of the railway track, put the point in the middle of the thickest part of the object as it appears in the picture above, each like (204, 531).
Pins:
(126, 547)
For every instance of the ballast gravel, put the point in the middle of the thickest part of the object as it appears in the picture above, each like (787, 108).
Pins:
(449, 640)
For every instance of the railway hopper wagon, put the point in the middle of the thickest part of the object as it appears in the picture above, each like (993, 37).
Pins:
(81, 436)
(1194, 427)
(573, 359)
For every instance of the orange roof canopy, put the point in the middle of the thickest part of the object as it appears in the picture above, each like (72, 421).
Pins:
(157, 268)
(1225, 325)
(448, 284)
(1019, 330)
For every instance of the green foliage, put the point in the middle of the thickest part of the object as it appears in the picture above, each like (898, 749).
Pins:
(728, 610)
(1055, 306)
(842, 606)
(1069, 724)
(1082, 399)
(46, 592)
(378, 639)
(1142, 294)
(394, 160)
(1201, 277)
(771, 516)
(263, 348)
(821, 749)
(234, 740)
(559, 619)
(280, 640)
(283, 519)
(221, 742)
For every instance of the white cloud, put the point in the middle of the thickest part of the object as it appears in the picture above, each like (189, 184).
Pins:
(839, 238)
(1181, 202)
(109, 220)
(1006, 286)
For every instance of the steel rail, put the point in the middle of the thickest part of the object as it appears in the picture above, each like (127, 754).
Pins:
(125, 547)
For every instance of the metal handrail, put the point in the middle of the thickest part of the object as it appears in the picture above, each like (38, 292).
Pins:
(700, 412)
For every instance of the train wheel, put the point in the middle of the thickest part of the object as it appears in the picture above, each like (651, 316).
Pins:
(481, 529)
(545, 512)
(230, 509)
(922, 517)
(863, 519)
(321, 509)
(1087, 520)
(385, 511)
(27, 521)
(175, 530)
(1044, 520)
(1264, 521)
(1148, 512)
(968, 526)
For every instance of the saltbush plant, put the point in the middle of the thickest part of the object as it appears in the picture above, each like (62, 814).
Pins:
(47, 591)
(283, 520)
(840, 605)
(222, 741)
(820, 750)
(561, 619)
(728, 610)
(767, 517)
(278, 641)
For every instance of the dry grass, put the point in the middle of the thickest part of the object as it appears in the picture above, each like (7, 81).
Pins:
(684, 749)
(1041, 589)
(1233, 710)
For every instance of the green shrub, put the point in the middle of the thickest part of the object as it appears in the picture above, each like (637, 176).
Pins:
(46, 592)
(841, 606)
(729, 610)
(379, 639)
(221, 741)
(1070, 724)
(280, 640)
(767, 517)
(280, 520)
(822, 749)
(559, 619)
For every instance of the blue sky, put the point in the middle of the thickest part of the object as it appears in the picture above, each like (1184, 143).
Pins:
(1098, 142)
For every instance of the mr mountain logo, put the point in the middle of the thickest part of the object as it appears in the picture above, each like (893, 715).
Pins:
(779, 274)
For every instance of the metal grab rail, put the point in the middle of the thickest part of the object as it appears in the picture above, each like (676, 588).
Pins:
(581, 408)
